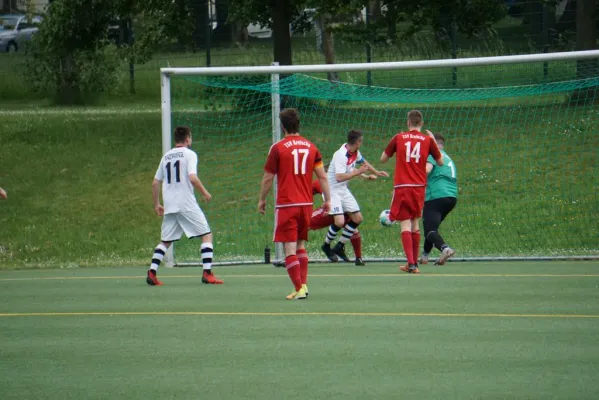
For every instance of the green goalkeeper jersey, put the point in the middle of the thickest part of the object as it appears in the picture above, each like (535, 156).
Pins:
(442, 181)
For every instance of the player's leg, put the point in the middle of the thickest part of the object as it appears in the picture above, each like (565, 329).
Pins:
(335, 227)
(195, 225)
(408, 247)
(447, 204)
(351, 207)
(171, 231)
(207, 251)
(417, 196)
(431, 221)
(401, 210)
(416, 241)
(356, 242)
(302, 233)
(286, 232)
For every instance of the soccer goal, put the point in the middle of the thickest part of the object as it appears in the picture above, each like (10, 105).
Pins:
(523, 132)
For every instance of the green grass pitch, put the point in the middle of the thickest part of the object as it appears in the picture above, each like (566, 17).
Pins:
(463, 331)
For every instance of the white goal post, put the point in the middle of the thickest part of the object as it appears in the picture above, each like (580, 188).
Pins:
(275, 71)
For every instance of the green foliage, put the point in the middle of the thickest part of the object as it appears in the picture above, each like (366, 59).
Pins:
(71, 56)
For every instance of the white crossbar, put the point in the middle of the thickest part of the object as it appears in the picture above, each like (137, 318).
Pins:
(381, 66)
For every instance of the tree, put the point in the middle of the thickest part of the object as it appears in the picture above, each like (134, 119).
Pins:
(586, 36)
(71, 56)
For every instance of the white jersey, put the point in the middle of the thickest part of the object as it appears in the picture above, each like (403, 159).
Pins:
(174, 170)
(343, 162)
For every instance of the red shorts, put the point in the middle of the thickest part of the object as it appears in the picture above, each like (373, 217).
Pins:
(407, 203)
(292, 223)
(322, 219)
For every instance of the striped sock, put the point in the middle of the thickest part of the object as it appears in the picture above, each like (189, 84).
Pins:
(348, 230)
(159, 253)
(207, 254)
(333, 229)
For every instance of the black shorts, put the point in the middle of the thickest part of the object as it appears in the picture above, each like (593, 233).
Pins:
(435, 212)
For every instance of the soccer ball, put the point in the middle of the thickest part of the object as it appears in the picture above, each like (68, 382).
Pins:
(385, 218)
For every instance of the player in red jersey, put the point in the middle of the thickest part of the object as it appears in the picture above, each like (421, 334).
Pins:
(293, 160)
(409, 181)
(322, 219)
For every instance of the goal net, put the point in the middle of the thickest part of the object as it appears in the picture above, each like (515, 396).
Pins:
(523, 135)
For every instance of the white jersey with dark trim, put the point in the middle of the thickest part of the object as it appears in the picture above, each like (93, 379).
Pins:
(343, 162)
(174, 170)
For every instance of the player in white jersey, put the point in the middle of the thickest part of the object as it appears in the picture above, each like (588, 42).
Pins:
(178, 176)
(347, 163)
(3, 194)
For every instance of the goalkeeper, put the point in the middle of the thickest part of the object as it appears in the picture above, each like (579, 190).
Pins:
(441, 198)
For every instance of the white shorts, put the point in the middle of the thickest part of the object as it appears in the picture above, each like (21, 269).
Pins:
(193, 223)
(343, 202)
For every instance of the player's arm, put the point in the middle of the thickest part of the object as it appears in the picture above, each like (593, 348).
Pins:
(349, 175)
(192, 170)
(340, 164)
(270, 171)
(265, 186)
(156, 186)
(3, 194)
(197, 183)
(429, 167)
(375, 171)
(389, 151)
(324, 185)
(434, 151)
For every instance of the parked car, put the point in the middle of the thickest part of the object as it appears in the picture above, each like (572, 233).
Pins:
(16, 31)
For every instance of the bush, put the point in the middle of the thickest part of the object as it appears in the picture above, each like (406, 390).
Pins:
(79, 78)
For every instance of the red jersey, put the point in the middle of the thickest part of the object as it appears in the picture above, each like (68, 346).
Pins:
(293, 160)
(413, 149)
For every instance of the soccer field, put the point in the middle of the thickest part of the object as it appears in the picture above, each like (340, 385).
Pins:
(466, 330)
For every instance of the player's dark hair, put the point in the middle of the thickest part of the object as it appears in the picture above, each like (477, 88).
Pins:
(440, 138)
(415, 118)
(182, 133)
(354, 136)
(290, 120)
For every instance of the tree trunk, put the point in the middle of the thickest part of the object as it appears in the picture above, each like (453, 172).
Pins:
(68, 93)
(224, 30)
(328, 45)
(199, 10)
(375, 10)
(586, 37)
(391, 17)
(240, 34)
(280, 32)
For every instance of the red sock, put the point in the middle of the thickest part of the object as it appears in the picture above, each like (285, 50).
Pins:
(356, 242)
(302, 255)
(293, 269)
(416, 244)
(406, 241)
